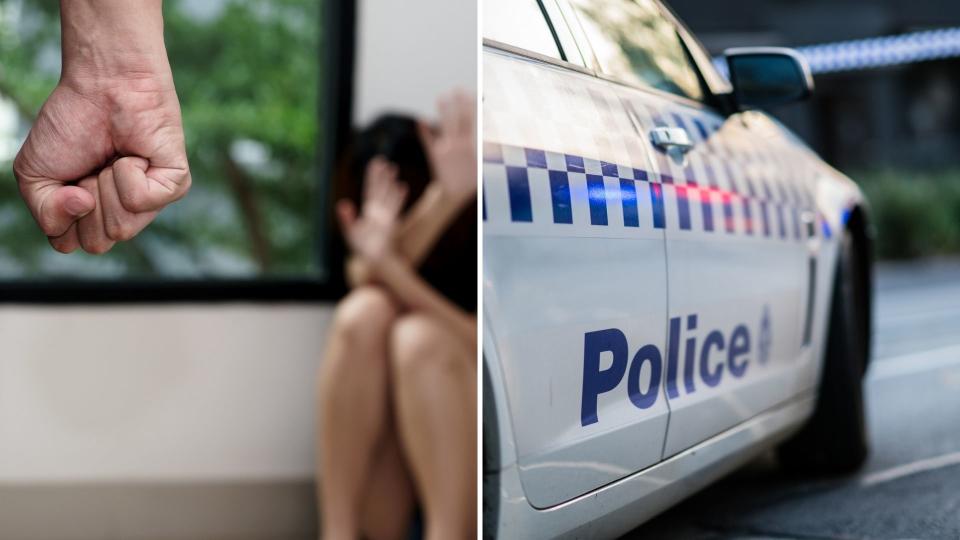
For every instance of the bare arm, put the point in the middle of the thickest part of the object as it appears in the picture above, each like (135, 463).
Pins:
(106, 152)
(112, 38)
(371, 237)
(416, 294)
(426, 221)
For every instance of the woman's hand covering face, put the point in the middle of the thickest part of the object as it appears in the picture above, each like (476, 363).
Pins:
(372, 233)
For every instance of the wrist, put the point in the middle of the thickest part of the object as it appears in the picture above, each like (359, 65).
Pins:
(445, 198)
(111, 41)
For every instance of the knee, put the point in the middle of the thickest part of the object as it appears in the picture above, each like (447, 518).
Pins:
(418, 343)
(365, 314)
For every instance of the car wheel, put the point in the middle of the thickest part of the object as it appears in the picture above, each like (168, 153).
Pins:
(834, 440)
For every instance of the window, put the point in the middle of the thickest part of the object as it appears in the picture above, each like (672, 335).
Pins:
(247, 74)
(634, 42)
(519, 23)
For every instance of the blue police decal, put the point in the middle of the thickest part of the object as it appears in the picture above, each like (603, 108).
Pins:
(719, 355)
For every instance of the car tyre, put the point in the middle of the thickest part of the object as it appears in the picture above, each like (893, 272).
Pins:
(834, 440)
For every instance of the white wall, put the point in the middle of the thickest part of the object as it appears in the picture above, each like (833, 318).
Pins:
(408, 52)
(158, 393)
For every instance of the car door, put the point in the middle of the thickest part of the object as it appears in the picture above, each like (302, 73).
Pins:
(736, 260)
(575, 285)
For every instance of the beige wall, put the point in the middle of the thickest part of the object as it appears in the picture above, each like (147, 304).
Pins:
(158, 393)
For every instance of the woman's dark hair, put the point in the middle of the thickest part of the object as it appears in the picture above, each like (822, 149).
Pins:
(394, 137)
(452, 265)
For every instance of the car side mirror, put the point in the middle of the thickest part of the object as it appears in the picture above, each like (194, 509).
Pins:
(767, 76)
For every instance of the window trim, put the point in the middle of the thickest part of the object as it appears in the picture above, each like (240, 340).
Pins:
(553, 31)
(540, 57)
(336, 58)
(530, 55)
(176, 291)
(716, 84)
(553, 11)
(684, 100)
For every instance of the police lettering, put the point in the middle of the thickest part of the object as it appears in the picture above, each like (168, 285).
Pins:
(719, 356)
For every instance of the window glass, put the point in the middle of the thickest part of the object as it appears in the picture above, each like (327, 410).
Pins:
(634, 42)
(519, 23)
(247, 74)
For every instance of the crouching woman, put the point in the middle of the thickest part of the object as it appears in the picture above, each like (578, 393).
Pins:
(397, 386)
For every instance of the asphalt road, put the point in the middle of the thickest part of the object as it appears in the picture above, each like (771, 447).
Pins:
(910, 487)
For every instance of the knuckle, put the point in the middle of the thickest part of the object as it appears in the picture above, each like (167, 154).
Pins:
(133, 200)
(182, 188)
(89, 184)
(19, 166)
(119, 230)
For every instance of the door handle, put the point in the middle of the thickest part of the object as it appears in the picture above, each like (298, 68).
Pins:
(671, 139)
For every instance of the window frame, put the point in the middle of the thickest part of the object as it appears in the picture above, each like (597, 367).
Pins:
(532, 55)
(715, 84)
(336, 56)
(708, 92)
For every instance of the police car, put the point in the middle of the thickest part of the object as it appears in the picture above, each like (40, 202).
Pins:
(673, 282)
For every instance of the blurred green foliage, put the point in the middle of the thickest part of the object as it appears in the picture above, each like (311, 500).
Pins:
(916, 214)
(247, 73)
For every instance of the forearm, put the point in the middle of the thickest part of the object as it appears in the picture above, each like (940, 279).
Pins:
(416, 294)
(109, 39)
(427, 220)
(357, 271)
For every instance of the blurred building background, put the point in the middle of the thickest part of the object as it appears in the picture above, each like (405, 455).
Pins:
(904, 115)
(895, 128)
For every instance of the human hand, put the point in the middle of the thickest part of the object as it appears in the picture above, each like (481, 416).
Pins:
(371, 235)
(124, 149)
(106, 151)
(452, 147)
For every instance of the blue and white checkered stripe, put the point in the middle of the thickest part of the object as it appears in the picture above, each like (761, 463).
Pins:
(551, 130)
(555, 194)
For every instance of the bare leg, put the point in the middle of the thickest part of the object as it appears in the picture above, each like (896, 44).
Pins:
(389, 497)
(352, 398)
(434, 385)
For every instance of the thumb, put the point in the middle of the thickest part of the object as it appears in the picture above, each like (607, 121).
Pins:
(62, 207)
(346, 214)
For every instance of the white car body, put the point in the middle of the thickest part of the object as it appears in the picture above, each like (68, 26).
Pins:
(602, 254)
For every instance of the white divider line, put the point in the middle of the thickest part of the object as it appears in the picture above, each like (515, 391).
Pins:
(908, 364)
(908, 469)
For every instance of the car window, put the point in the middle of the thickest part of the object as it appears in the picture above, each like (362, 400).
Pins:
(634, 42)
(519, 23)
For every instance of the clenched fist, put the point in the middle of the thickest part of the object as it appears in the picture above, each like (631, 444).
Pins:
(106, 152)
